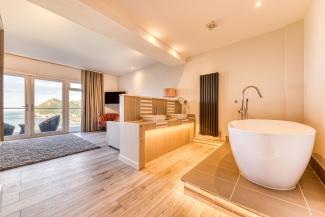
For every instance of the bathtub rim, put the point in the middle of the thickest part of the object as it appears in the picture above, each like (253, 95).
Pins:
(311, 133)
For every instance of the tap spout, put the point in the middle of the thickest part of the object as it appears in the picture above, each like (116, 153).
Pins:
(254, 87)
(244, 106)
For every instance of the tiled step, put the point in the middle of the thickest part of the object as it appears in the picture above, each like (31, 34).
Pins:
(218, 202)
(217, 180)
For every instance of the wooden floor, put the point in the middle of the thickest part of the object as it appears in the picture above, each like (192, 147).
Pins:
(96, 183)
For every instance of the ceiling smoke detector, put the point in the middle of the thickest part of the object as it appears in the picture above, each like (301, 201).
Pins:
(212, 25)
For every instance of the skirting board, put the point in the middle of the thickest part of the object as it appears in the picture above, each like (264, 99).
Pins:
(128, 161)
(318, 164)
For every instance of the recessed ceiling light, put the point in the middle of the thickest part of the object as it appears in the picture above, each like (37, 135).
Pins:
(132, 68)
(173, 52)
(258, 4)
(152, 40)
(212, 25)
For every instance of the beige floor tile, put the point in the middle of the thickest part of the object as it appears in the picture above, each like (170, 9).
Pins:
(313, 187)
(222, 162)
(317, 214)
(313, 190)
(309, 177)
(220, 152)
(294, 196)
(220, 172)
(271, 206)
(316, 201)
(221, 158)
(210, 183)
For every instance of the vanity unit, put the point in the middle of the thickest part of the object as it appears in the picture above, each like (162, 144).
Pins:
(149, 128)
(144, 141)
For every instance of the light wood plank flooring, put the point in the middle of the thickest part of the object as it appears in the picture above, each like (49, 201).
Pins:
(96, 183)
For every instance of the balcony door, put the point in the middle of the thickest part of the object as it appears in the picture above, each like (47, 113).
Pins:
(16, 107)
(35, 106)
(75, 98)
(47, 106)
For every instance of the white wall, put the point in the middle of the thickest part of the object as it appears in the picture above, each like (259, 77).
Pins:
(151, 80)
(294, 72)
(110, 84)
(315, 71)
(267, 61)
(24, 65)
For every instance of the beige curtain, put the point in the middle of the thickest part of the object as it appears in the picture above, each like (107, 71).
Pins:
(1, 79)
(93, 99)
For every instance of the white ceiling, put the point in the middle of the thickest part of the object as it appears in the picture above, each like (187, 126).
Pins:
(38, 33)
(181, 23)
(103, 35)
(113, 25)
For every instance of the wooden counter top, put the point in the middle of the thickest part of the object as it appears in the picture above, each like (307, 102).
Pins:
(166, 123)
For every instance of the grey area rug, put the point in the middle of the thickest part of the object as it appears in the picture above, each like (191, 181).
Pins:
(28, 151)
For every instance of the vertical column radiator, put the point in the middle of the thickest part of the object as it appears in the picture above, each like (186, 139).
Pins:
(209, 104)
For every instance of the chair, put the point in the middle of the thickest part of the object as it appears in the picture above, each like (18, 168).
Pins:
(107, 117)
(8, 129)
(50, 124)
(22, 128)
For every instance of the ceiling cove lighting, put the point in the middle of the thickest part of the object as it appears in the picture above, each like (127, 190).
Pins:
(258, 4)
(173, 53)
(153, 40)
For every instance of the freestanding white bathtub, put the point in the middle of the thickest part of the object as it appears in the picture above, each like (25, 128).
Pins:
(271, 153)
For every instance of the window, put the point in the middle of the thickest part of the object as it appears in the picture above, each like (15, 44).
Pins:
(14, 105)
(34, 105)
(75, 99)
(75, 85)
(48, 109)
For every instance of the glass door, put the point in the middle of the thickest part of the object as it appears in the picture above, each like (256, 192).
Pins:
(15, 106)
(48, 106)
(74, 107)
(35, 106)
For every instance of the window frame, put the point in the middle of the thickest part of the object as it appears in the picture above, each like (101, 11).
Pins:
(32, 87)
(29, 99)
(69, 88)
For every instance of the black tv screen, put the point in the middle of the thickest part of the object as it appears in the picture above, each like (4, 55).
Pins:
(113, 97)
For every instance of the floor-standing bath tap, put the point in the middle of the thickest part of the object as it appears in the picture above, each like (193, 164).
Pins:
(244, 105)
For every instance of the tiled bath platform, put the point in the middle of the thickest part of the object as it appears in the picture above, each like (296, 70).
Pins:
(217, 180)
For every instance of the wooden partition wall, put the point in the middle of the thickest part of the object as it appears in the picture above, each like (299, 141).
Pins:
(134, 107)
(209, 104)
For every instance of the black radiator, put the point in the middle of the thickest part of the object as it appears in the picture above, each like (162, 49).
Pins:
(209, 104)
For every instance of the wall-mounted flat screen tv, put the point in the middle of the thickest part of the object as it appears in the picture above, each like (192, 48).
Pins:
(113, 97)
